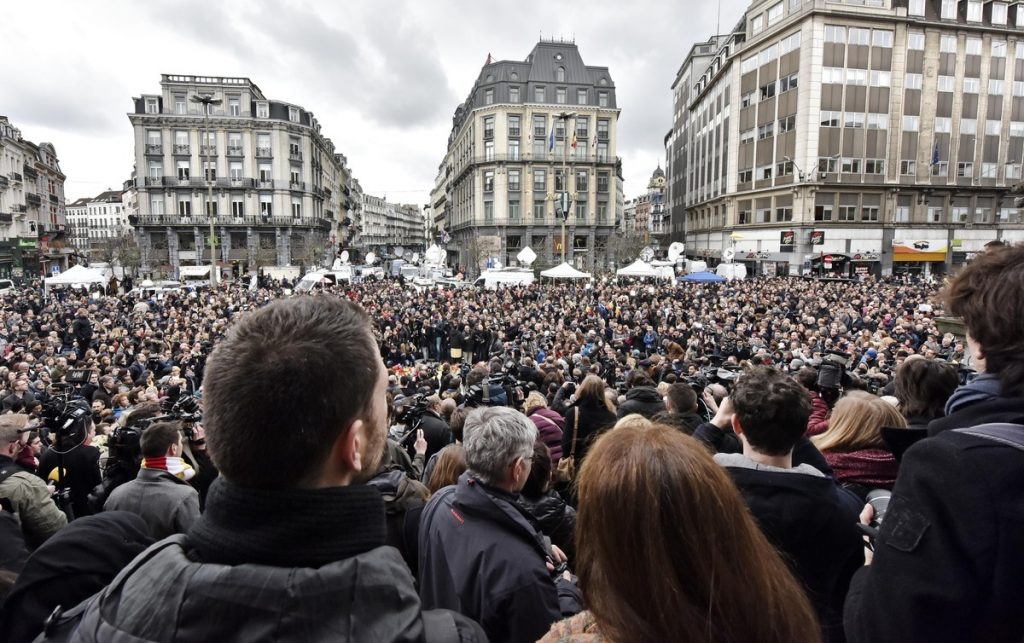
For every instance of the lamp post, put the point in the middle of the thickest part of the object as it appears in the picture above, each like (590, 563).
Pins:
(208, 101)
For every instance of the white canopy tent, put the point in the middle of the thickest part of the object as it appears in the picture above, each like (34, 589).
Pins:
(637, 269)
(564, 271)
(78, 276)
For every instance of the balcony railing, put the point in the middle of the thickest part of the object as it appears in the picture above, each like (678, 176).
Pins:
(154, 148)
(6, 217)
(234, 150)
(154, 181)
(227, 220)
(15, 177)
(4, 182)
(295, 156)
(33, 199)
(208, 150)
(54, 199)
(555, 156)
(264, 152)
(182, 149)
(19, 208)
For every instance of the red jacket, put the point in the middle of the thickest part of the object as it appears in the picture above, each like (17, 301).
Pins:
(818, 422)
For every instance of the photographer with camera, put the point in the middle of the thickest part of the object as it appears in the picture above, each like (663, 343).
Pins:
(160, 493)
(949, 555)
(435, 429)
(71, 462)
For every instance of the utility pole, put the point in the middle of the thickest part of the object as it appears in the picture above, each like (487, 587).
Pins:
(208, 101)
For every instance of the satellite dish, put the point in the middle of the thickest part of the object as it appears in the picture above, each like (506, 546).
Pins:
(675, 250)
(344, 256)
(415, 257)
(399, 251)
(647, 254)
(526, 256)
(370, 258)
(497, 265)
(728, 254)
(434, 255)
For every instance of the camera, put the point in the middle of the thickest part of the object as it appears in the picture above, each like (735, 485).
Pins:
(832, 372)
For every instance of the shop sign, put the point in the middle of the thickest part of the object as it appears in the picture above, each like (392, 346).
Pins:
(817, 237)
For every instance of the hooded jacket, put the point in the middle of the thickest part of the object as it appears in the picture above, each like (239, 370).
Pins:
(644, 400)
(480, 555)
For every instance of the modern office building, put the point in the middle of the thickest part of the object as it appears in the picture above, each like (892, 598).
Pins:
(279, 187)
(32, 207)
(863, 137)
(528, 131)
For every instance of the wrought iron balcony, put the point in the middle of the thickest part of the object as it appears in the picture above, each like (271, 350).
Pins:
(234, 150)
(264, 152)
(15, 177)
(6, 217)
(182, 149)
(295, 156)
(208, 150)
(33, 199)
(155, 181)
(30, 172)
(154, 148)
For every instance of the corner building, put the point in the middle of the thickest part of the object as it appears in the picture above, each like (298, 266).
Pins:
(279, 187)
(498, 182)
(872, 137)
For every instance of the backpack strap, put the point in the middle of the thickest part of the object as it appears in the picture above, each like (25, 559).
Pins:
(1011, 435)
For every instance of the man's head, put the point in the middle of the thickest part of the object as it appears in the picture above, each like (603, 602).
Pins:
(499, 446)
(161, 439)
(681, 398)
(297, 388)
(771, 410)
(988, 294)
(12, 426)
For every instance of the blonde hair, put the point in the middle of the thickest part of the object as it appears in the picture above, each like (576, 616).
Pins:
(856, 423)
(633, 420)
(535, 400)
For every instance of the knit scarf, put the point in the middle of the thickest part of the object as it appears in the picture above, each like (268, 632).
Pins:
(981, 389)
(174, 466)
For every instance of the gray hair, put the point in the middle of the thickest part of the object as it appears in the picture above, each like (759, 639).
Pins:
(493, 438)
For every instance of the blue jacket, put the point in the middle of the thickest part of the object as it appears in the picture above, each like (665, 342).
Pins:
(481, 556)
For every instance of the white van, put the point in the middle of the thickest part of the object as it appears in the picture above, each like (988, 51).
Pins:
(326, 277)
(6, 286)
(491, 279)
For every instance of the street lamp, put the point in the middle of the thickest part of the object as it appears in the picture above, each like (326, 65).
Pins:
(208, 101)
(565, 198)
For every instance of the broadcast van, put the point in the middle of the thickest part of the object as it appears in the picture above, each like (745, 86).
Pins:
(492, 279)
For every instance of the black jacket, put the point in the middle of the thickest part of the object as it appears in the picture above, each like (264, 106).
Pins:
(81, 328)
(949, 560)
(685, 422)
(812, 521)
(644, 400)
(82, 474)
(480, 555)
(727, 441)
(435, 432)
(271, 565)
(555, 518)
(595, 418)
(1001, 409)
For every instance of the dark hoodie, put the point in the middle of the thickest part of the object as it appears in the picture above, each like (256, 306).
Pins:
(644, 400)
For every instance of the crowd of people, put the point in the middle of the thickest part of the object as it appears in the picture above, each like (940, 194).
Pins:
(774, 459)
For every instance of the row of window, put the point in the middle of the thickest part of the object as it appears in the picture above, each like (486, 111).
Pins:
(770, 53)
(541, 210)
(183, 171)
(858, 36)
(766, 91)
(841, 75)
(854, 119)
(184, 206)
(540, 95)
(234, 107)
(975, 11)
(540, 181)
(540, 127)
(208, 143)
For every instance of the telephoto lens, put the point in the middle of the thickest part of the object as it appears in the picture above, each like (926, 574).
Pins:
(879, 501)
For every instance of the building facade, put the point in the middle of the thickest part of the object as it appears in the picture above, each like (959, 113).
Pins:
(94, 222)
(32, 206)
(279, 187)
(528, 131)
(858, 138)
(386, 226)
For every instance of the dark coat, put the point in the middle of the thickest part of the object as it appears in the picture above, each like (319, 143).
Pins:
(728, 442)
(81, 328)
(996, 410)
(166, 503)
(644, 400)
(555, 518)
(685, 422)
(82, 467)
(272, 565)
(74, 564)
(595, 418)
(435, 432)
(812, 521)
(950, 556)
(550, 429)
(480, 555)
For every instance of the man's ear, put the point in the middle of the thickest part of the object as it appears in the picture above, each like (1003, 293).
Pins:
(737, 428)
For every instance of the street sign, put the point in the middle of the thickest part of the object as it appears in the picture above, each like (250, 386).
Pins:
(55, 269)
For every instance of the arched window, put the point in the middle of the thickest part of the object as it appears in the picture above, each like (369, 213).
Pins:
(560, 75)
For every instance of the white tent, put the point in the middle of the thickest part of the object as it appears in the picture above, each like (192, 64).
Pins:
(637, 269)
(564, 271)
(78, 276)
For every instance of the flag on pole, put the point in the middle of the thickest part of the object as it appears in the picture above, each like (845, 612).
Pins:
(935, 154)
(574, 141)
(489, 59)
(551, 137)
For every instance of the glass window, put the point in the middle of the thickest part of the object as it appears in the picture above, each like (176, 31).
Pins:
(513, 180)
(916, 8)
(943, 124)
(581, 97)
(539, 95)
(834, 33)
(560, 95)
(774, 13)
(998, 49)
(993, 128)
(948, 10)
(974, 46)
(293, 114)
(946, 83)
(947, 44)
(989, 170)
(915, 41)
(965, 169)
(881, 38)
(262, 110)
(902, 214)
(911, 123)
(513, 94)
(757, 23)
(908, 168)
(489, 96)
(539, 181)
(995, 86)
(974, 11)
(880, 78)
(234, 106)
(972, 85)
(858, 36)
(602, 99)
(152, 106)
(914, 81)
(560, 74)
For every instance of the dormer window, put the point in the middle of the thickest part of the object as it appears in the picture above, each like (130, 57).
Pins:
(560, 74)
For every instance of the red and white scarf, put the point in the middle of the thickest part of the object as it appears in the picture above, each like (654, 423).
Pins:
(172, 465)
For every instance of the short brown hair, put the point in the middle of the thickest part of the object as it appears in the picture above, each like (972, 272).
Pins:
(451, 463)
(682, 396)
(301, 370)
(668, 551)
(988, 294)
(772, 410)
(159, 437)
(923, 386)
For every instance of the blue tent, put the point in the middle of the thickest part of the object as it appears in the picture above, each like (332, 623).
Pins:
(703, 277)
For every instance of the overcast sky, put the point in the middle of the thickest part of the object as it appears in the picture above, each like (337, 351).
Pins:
(383, 78)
